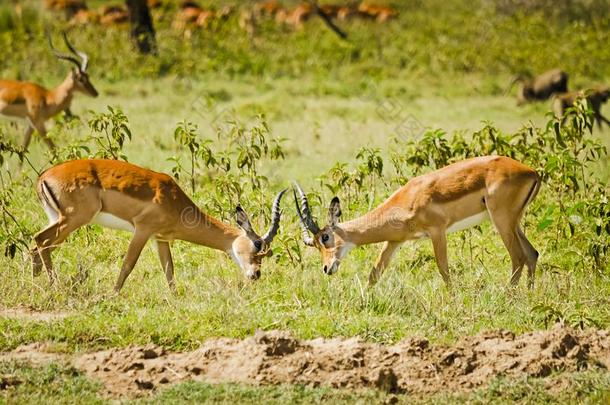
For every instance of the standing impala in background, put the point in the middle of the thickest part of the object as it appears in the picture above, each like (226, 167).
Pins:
(450, 199)
(36, 104)
(123, 196)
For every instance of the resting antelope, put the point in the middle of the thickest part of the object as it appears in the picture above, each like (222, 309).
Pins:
(450, 199)
(36, 104)
(379, 13)
(123, 196)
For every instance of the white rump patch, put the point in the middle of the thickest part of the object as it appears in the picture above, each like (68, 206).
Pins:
(110, 221)
(51, 214)
(468, 222)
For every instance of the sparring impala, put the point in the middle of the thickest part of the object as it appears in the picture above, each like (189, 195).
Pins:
(453, 198)
(151, 205)
(36, 105)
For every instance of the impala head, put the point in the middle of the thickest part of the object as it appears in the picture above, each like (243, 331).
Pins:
(604, 93)
(249, 249)
(79, 73)
(329, 240)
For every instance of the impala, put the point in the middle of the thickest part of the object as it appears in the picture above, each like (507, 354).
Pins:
(36, 104)
(151, 205)
(453, 198)
(596, 98)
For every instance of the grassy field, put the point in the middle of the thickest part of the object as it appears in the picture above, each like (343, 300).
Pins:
(324, 99)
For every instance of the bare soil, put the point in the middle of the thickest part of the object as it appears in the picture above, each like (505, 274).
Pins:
(413, 365)
(27, 314)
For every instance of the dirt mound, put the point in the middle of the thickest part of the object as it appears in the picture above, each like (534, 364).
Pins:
(412, 365)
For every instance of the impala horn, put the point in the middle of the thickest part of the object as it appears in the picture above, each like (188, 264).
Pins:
(306, 221)
(84, 59)
(276, 213)
(82, 55)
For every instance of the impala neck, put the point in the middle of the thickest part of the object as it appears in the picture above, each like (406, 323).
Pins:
(60, 98)
(205, 230)
(376, 226)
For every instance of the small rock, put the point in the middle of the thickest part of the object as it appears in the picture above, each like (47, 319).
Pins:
(149, 354)
(449, 357)
(145, 385)
(386, 380)
(134, 366)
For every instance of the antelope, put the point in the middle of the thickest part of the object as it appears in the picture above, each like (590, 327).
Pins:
(447, 200)
(297, 16)
(85, 17)
(70, 7)
(542, 87)
(595, 97)
(150, 205)
(154, 4)
(36, 104)
(113, 15)
(268, 8)
(378, 13)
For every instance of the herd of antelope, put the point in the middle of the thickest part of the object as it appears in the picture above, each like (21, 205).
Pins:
(554, 84)
(152, 206)
(190, 14)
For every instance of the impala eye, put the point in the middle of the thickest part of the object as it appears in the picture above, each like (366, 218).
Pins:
(325, 238)
(258, 245)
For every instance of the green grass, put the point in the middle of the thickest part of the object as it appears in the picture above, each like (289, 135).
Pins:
(327, 99)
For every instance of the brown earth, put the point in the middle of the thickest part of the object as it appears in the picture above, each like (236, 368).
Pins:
(413, 365)
(27, 314)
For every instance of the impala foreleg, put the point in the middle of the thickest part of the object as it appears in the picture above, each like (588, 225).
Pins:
(601, 119)
(439, 244)
(42, 130)
(165, 257)
(388, 250)
(133, 253)
(36, 261)
(27, 137)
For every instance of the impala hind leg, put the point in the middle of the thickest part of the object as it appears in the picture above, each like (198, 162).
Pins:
(165, 257)
(47, 240)
(133, 253)
(506, 223)
(388, 250)
(531, 257)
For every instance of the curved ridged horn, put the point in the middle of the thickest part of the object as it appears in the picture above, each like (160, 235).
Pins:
(276, 213)
(82, 55)
(62, 56)
(306, 221)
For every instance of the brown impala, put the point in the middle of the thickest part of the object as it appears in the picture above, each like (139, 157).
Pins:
(451, 199)
(37, 105)
(151, 205)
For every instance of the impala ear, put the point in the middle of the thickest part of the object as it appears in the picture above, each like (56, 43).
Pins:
(334, 212)
(242, 220)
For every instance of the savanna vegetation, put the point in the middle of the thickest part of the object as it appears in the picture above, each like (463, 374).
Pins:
(236, 118)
